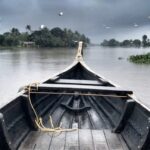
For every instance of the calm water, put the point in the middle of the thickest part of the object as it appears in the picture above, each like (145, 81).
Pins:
(22, 66)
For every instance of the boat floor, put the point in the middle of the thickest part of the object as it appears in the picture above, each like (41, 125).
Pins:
(82, 139)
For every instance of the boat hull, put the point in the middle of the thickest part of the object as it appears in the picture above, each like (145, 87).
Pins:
(102, 115)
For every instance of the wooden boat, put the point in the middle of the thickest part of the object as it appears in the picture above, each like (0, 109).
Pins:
(94, 115)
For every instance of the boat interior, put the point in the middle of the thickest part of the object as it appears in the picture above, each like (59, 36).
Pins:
(101, 116)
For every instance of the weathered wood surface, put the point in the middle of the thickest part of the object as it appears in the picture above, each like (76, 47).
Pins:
(113, 141)
(37, 140)
(82, 82)
(83, 139)
(99, 139)
(82, 88)
(72, 141)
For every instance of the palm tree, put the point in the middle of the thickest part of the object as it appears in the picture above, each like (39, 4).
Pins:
(144, 41)
(28, 28)
(15, 31)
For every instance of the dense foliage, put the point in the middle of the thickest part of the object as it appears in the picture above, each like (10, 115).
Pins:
(45, 37)
(127, 43)
(140, 59)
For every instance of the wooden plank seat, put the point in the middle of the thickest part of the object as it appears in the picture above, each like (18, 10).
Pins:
(81, 88)
(79, 139)
(79, 82)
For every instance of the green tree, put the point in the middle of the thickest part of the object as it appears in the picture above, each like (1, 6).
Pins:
(11, 38)
(113, 43)
(144, 40)
(28, 28)
(137, 43)
(24, 36)
(42, 37)
(11, 41)
(126, 43)
(2, 38)
(15, 32)
(57, 32)
(105, 43)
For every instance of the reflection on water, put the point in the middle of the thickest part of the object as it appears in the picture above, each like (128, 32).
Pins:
(22, 66)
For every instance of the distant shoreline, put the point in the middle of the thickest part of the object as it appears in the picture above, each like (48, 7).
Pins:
(42, 38)
(145, 42)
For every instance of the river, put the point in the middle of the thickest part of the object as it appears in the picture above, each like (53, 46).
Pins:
(20, 67)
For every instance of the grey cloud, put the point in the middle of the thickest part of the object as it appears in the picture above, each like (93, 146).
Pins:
(91, 17)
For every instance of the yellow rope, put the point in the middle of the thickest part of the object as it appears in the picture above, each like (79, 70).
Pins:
(29, 96)
(39, 121)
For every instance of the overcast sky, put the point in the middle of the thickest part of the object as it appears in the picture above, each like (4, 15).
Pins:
(98, 19)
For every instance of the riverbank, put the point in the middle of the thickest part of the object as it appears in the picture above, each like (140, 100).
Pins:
(127, 43)
(140, 59)
(45, 37)
(8, 47)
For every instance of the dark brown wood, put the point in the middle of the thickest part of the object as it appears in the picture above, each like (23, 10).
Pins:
(129, 107)
(29, 112)
(82, 88)
(5, 142)
(136, 132)
(144, 143)
(124, 145)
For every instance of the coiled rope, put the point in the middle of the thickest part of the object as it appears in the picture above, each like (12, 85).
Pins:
(39, 120)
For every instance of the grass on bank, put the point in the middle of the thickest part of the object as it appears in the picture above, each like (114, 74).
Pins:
(140, 59)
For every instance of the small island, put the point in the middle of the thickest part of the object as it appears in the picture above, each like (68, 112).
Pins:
(43, 37)
(140, 59)
(127, 43)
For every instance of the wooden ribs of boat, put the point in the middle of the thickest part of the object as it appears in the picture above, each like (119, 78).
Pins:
(105, 116)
